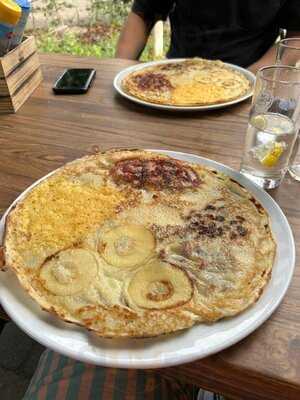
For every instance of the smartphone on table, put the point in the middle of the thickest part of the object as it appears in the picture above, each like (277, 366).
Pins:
(74, 81)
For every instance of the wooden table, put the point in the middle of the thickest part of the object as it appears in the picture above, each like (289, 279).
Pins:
(51, 130)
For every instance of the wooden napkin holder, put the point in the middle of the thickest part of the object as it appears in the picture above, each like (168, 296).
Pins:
(20, 75)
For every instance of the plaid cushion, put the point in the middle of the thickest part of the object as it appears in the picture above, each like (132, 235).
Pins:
(58, 377)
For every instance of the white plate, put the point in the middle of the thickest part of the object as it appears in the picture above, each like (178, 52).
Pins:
(195, 343)
(122, 74)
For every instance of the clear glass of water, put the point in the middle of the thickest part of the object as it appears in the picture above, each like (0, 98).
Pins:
(272, 125)
(288, 53)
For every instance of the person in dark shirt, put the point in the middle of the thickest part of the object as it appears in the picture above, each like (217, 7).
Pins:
(241, 32)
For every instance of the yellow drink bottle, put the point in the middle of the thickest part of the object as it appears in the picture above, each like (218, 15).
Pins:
(10, 13)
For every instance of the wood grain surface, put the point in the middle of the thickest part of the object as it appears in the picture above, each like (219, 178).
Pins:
(51, 130)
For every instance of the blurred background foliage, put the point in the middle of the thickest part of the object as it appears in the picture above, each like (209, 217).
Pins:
(82, 27)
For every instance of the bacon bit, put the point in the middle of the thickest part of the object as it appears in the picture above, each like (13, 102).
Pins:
(202, 224)
(212, 230)
(152, 81)
(158, 173)
(241, 230)
(194, 225)
(210, 207)
(220, 231)
(210, 216)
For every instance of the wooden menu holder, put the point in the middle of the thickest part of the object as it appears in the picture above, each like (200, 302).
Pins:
(20, 75)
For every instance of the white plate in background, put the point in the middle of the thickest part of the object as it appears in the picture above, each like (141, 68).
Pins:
(122, 74)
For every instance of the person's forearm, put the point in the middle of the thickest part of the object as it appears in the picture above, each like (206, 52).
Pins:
(133, 37)
(269, 58)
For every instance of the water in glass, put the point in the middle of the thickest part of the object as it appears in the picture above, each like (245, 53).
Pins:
(269, 143)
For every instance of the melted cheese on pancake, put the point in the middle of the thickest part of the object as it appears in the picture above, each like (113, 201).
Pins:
(197, 93)
(58, 213)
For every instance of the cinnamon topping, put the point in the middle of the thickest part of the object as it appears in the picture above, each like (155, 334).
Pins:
(152, 81)
(158, 173)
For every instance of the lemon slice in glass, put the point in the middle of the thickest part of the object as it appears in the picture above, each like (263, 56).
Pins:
(273, 155)
(259, 121)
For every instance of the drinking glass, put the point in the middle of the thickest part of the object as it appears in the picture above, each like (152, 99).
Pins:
(272, 131)
(288, 53)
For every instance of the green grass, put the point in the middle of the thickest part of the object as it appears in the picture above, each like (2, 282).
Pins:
(70, 43)
(100, 36)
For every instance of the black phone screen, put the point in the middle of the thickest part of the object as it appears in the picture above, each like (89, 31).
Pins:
(74, 81)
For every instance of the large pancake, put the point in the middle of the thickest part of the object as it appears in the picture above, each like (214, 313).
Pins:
(192, 82)
(135, 244)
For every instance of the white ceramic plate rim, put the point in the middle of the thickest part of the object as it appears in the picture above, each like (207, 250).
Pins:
(122, 74)
(51, 332)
